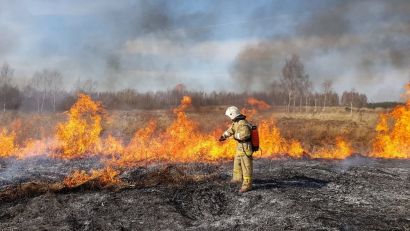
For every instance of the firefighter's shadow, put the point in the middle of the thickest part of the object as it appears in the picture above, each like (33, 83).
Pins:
(293, 182)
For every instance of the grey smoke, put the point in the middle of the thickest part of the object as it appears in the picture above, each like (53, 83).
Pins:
(8, 41)
(354, 42)
(152, 19)
(353, 162)
(361, 44)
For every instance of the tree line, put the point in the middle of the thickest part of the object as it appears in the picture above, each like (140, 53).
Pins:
(295, 82)
(44, 92)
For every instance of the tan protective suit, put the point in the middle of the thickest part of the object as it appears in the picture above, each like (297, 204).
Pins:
(242, 165)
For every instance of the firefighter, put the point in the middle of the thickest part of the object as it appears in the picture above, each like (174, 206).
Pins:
(241, 132)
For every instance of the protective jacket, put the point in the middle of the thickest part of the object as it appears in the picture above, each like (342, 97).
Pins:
(243, 166)
(241, 132)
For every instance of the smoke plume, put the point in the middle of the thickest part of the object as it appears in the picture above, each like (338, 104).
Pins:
(363, 44)
(152, 45)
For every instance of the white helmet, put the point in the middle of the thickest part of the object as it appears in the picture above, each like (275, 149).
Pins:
(232, 112)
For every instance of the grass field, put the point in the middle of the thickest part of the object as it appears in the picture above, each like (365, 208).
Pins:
(288, 193)
(313, 130)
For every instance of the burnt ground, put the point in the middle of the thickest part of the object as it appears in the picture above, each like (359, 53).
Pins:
(354, 194)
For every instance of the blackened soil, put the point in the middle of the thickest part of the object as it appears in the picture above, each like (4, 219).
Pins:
(355, 194)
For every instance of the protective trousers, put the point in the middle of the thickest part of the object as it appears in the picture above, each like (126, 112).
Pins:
(242, 170)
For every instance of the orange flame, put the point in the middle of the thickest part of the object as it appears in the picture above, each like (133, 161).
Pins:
(342, 150)
(8, 147)
(258, 104)
(273, 144)
(142, 147)
(182, 141)
(35, 148)
(106, 177)
(112, 146)
(393, 132)
(81, 133)
(271, 141)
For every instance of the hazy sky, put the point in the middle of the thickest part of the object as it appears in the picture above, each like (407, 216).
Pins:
(153, 45)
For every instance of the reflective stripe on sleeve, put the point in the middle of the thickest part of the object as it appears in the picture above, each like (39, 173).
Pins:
(226, 134)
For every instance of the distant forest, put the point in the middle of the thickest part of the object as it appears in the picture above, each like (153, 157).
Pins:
(44, 92)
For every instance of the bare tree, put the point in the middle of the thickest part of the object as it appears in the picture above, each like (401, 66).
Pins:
(6, 75)
(352, 94)
(42, 83)
(307, 91)
(55, 81)
(56, 85)
(37, 84)
(86, 86)
(44, 87)
(293, 77)
(352, 99)
(327, 89)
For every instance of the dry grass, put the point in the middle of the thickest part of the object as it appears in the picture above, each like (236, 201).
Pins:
(314, 130)
(30, 125)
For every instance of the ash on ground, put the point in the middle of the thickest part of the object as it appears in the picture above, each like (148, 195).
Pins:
(353, 194)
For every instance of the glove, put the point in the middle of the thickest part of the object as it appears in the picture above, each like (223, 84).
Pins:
(222, 138)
